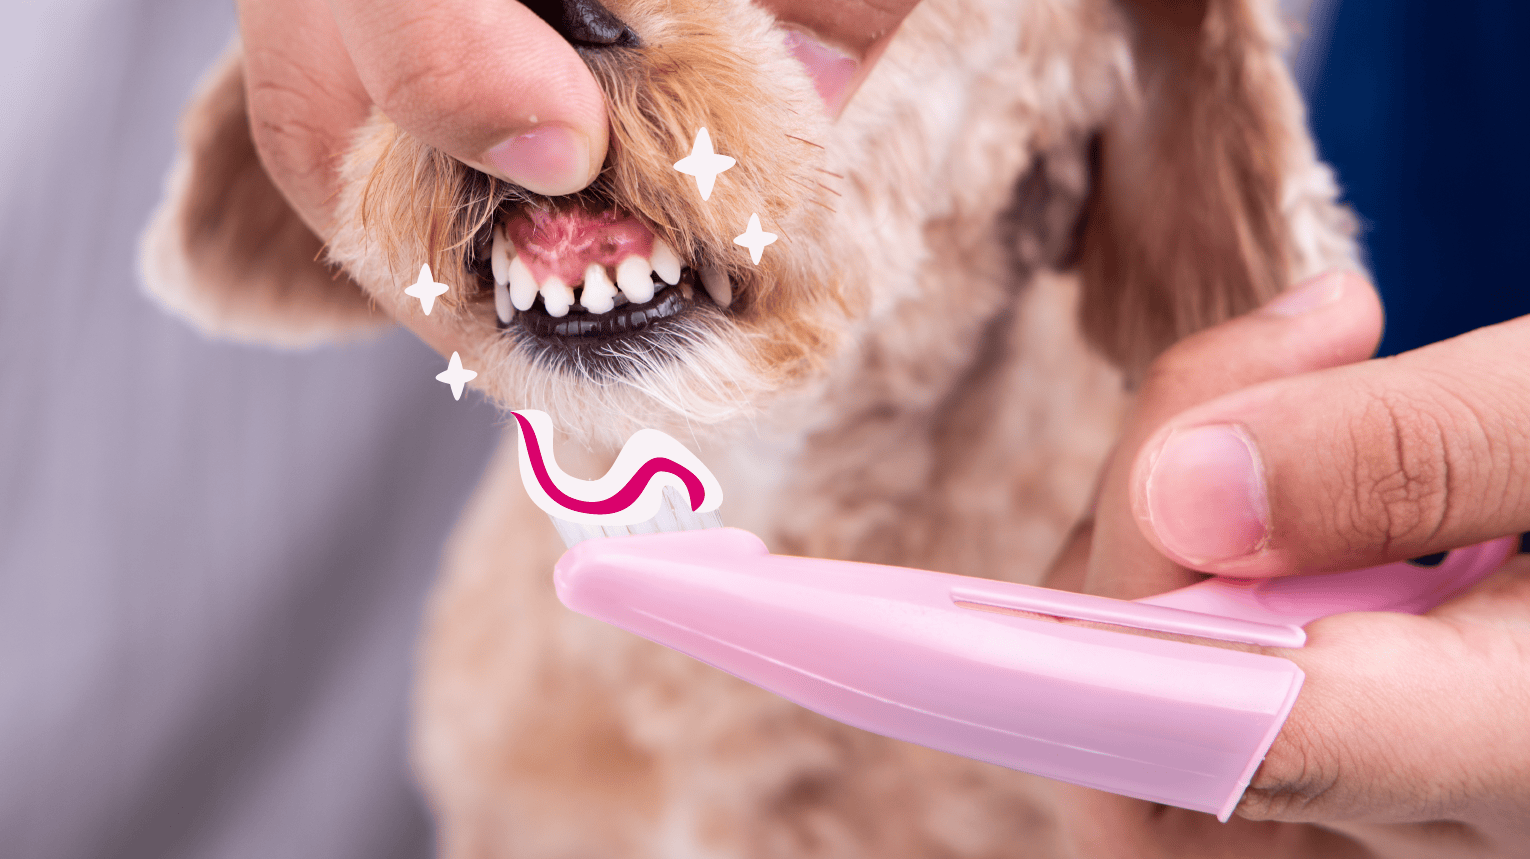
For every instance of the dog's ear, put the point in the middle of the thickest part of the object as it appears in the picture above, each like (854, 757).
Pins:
(1185, 225)
(226, 251)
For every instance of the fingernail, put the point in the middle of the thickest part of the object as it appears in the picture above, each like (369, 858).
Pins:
(1304, 297)
(1206, 495)
(549, 159)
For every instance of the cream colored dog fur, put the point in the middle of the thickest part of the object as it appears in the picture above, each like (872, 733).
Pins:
(1026, 201)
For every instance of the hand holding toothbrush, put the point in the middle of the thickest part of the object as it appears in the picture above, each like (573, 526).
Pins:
(1261, 448)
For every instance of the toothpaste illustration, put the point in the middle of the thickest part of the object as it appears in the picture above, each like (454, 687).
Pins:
(631, 492)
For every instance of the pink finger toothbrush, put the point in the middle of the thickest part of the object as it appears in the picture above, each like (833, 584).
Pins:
(969, 666)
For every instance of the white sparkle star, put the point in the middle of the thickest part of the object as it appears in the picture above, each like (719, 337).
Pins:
(426, 289)
(704, 164)
(755, 239)
(456, 376)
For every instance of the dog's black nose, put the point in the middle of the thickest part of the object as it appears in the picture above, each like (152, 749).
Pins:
(585, 23)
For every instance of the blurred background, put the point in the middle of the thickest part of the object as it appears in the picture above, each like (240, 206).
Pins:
(213, 558)
(1420, 108)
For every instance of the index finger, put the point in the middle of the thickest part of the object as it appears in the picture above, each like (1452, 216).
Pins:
(485, 81)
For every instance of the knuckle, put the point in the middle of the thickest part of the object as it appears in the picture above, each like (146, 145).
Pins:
(282, 129)
(1406, 451)
(1179, 367)
(290, 109)
(1300, 773)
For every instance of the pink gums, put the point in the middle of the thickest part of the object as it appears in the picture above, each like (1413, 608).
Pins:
(565, 242)
(625, 496)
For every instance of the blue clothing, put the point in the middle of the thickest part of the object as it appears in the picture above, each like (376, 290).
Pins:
(1420, 108)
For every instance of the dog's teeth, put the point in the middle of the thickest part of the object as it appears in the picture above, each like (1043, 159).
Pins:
(632, 277)
(599, 294)
(557, 296)
(523, 285)
(502, 302)
(718, 285)
(499, 257)
(686, 292)
(666, 263)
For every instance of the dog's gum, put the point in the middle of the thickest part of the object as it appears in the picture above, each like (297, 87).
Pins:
(563, 243)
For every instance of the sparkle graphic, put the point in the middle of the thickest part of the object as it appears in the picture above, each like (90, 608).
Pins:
(704, 164)
(755, 239)
(456, 376)
(426, 289)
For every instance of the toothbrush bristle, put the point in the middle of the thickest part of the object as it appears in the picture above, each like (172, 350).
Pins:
(674, 515)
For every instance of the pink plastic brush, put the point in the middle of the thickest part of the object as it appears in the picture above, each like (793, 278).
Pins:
(970, 666)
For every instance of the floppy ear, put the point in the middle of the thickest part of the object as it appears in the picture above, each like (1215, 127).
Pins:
(225, 251)
(1208, 198)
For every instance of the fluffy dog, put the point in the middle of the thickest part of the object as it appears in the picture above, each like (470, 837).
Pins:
(1026, 201)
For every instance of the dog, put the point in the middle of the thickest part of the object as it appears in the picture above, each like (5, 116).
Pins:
(1026, 201)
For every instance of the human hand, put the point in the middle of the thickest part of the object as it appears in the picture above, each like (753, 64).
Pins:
(487, 82)
(1260, 448)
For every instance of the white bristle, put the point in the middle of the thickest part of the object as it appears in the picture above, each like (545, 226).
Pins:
(674, 515)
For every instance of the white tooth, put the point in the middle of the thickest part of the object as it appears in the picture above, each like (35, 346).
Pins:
(687, 293)
(502, 302)
(523, 285)
(632, 277)
(599, 294)
(666, 263)
(557, 296)
(718, 285)
(499, 257)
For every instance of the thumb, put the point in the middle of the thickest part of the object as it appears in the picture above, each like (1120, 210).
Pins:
(485, 81)
(1331, 320)
(1347, 467)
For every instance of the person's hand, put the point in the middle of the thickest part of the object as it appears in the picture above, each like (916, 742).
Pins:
(485, 81)
(1261, 448)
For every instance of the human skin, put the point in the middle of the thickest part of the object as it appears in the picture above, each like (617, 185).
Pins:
(1410, 735)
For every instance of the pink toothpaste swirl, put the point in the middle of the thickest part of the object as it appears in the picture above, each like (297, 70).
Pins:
(630, 492)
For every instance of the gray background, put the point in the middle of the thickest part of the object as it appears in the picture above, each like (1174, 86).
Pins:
(212, 557)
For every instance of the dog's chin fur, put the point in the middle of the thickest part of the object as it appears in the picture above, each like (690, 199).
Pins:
(1026, 201)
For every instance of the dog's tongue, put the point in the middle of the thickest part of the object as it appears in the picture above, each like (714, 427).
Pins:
(565, 242)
